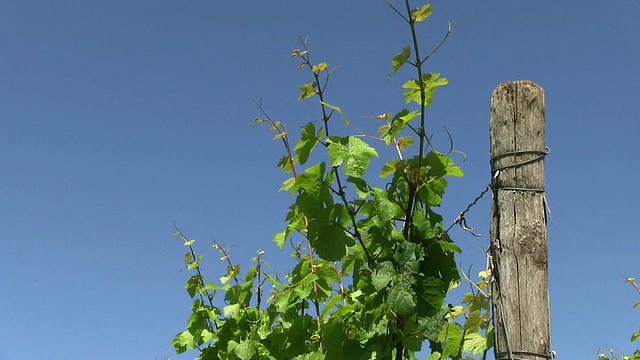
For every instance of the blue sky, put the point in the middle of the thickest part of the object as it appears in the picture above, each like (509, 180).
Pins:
(118, 118)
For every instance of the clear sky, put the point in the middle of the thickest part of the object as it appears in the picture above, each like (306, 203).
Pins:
(118, 118)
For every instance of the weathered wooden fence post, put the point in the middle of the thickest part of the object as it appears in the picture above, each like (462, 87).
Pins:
(518, 223)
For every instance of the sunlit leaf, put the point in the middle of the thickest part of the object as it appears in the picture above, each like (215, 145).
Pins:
(451, 340)
(430, 82)
(390, 167)
(360, 154)
(474, 343)
(194, 264)
(183, 342)
(287, 184)
(307, 90)
(404, 142)
(420, 14)
(335, 108)
(308, 141)
(398, 123)
(473, 321)
(287, 164)
(230, 309)
(244, 350)
(319, 68)
(399, 60)
(354, 153)
(338, 151)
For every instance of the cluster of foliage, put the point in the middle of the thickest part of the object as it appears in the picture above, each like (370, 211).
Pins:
(634, 336)
(374, 264)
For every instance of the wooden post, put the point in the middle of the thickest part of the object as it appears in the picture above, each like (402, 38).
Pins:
(518, 223)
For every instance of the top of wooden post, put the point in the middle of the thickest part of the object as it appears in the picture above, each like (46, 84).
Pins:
(517, 132)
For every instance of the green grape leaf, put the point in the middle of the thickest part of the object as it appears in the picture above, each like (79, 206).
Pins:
(230, 309)
(383, 275)
(437, 164)
(286, 164)
(401, 299)
(244, 350)
(420, 14)
(330, 304)
(450, 246)
(331, 243)
(333, 334)
(183, 341)
(360, 154)
(434, 191)
(431, 296)
(192, 285)
(451, 339)
(337, 150)
(194, 264)
(311, 180)
(474, 343)
(391, 166)
(287, 184)
(356, 156)
(405, 256)
(307, 90)
(399, 60)
(206, 335)
(398, 123)
(308, 141)
(473, 321)
(430, 82)
(383, 208)
(251, 274)
(361, 186)
(304, 287)
(319, 68)
(404, 142)
(454, 170)
(335, 108)
(327, 232)
(432, 325)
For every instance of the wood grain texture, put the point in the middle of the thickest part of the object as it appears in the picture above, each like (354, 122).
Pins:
(518, 223)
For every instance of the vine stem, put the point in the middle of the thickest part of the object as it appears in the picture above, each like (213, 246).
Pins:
(212, 325)
(282, 134)
(325, 119)
(415, 179)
